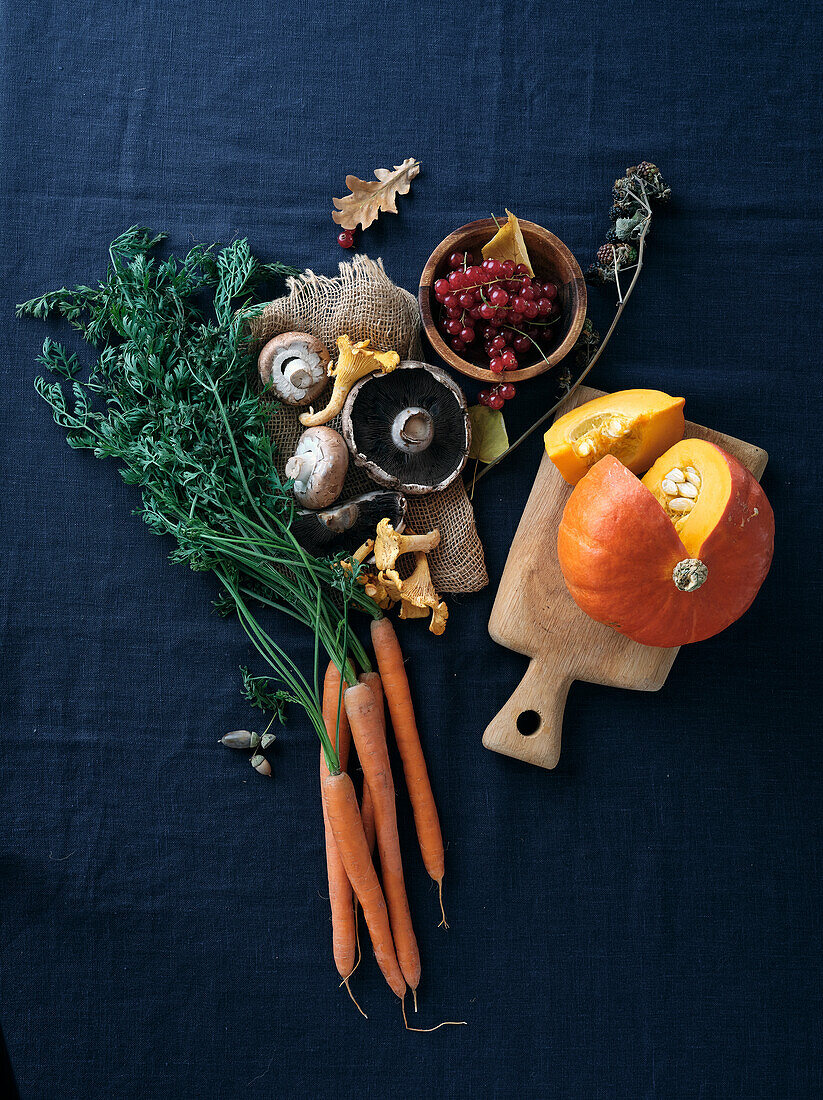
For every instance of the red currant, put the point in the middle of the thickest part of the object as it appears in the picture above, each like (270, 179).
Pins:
(455, 279)
(467, 335)
(549, 290)
(498, 297)
(544, 307)
(456, 260)
(509, 359)
(515, 317)
(466, 299)
(483, 397)
(457, 344)
(497, 365)
(441, 289)
(496, 401)
(453, 327)
(531, 310)
(521, 269)
(475, 274)
(507, 269)
(498, 343)
(506, 391)
(346, 238)
(521, 344)
(487, 311)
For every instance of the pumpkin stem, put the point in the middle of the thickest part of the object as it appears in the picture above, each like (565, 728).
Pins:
(689, 574)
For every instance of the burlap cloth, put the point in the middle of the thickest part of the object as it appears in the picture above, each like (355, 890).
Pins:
(364, 303)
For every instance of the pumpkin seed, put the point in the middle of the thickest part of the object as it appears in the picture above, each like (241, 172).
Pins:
(681, 505)
(615, 428)
(693, 476)
(669, 487)
(584, 448)
(676, 475)
(688, 490)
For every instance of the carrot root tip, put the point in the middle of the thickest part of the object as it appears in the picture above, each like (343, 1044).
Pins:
(443, 923)
(425, 1030)
(345, 982)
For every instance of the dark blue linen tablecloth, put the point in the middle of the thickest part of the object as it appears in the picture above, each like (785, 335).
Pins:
(643, 922)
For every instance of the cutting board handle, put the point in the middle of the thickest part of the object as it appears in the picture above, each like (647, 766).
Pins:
(536, 704)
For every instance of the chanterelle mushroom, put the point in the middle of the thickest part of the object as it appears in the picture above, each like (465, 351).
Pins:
(295, 364)
(353, 362)
(318, 466)
(409, 429)
(418, 597)
(389, 544)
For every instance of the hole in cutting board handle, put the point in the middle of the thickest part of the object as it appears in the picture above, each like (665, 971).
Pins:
(528, 722)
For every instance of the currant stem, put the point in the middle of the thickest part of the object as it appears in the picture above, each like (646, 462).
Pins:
(621, 306)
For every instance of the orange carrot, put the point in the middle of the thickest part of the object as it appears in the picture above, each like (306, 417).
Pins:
(347, 829)
(367, 808)
(368, 731)
(396, 686)
(344, 935)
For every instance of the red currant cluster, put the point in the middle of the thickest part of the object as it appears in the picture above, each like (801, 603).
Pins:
(346, 238)
(499, 303)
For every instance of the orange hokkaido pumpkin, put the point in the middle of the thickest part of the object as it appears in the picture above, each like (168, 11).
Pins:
(671, 559)
(633, 425)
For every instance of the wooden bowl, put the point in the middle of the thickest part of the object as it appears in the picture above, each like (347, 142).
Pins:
(550, 259)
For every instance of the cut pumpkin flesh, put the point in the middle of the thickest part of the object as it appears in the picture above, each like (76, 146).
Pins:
(635, 426)
(666, 573)
(508, 244)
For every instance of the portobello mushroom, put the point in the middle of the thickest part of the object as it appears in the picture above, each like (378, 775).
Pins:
(347, 525)
(408, 429)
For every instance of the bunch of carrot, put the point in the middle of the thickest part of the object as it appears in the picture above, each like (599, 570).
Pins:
(354, 710)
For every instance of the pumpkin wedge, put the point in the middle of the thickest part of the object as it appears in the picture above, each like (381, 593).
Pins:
(635, 426)
(671, 559)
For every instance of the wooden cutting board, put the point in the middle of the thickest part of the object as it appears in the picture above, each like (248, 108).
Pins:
(534, 614)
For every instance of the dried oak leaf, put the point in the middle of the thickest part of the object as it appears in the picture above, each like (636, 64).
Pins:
(369, 197)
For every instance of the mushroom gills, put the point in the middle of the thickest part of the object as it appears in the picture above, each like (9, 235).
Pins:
(349, 524)
(294, 365)
(408, 429)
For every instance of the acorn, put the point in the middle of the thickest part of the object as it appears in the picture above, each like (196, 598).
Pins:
(260, 764)
(240, 739)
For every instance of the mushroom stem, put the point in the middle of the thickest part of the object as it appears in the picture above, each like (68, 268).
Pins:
(421, 543)
(412, 430)
(294, 371)
(389, 545)
(299, 467)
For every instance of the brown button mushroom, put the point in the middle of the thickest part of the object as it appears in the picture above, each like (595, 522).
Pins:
(318, 467)
(409, 429)
(294, 363)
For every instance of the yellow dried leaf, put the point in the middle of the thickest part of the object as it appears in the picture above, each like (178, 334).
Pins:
(508, 244)
(368, 197)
